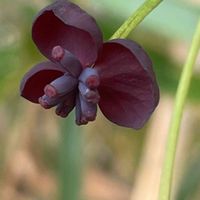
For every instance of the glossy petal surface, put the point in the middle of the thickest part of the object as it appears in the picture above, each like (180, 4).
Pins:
(34, 81)
(143, 59)
(64, 23)
(128, 89)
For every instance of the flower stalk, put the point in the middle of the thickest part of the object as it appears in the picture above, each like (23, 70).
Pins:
(136, 18)
(183, 87)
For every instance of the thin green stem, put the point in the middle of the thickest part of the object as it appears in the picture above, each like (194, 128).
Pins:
(184, 83)
(132, 22)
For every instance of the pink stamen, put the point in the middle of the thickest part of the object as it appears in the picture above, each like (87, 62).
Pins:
(50, 91)
(92, 81)
(57, 53)
(44, 103)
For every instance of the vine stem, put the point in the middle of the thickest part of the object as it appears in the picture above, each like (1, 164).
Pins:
(132, 22)
(183, 87)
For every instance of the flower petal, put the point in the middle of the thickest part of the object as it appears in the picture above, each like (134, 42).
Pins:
(128, 88)
(64, 23)
(34, 81)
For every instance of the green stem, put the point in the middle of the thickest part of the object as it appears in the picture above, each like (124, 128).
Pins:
(184, 83)
(132, 22)
(70, 160)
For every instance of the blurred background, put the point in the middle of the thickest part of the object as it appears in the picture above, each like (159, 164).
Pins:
(42, 155)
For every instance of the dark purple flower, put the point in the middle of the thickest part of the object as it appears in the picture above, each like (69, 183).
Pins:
(83, 71)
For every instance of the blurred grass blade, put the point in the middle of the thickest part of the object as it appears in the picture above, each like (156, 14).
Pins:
(189, 186)
(70, 159)
(182, 91)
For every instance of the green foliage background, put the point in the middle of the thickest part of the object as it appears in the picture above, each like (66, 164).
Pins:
(169, 27)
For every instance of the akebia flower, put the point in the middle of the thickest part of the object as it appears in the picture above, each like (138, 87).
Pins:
(84, 72)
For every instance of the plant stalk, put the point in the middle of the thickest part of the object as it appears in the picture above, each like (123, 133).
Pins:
(181, 94)
(133, 21)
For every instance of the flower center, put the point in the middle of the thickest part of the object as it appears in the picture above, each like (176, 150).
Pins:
(74, 88)
(88, 98)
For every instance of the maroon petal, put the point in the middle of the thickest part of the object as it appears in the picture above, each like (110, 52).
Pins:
(128, 88)
(34, 81)
(64, 23)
